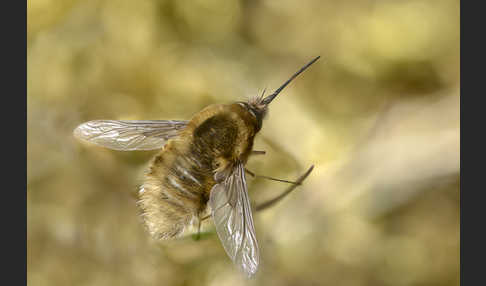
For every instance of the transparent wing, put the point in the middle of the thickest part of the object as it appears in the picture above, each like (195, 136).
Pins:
(232, 217)
(128, 135)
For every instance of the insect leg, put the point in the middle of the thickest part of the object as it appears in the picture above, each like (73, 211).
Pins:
(270, 178)
(205, 218)
(198, 235)
(273, 201)
(256, 152)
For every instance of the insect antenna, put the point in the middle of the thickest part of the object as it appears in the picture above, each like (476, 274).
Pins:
(263, 92)
(269, 98)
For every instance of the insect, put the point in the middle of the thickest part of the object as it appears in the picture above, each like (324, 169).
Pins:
(201, 163)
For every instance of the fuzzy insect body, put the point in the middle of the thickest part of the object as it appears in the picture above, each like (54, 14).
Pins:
(201, 164)
(181, 176)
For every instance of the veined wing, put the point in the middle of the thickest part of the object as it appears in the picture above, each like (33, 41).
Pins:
(232, 217)
(129, 135)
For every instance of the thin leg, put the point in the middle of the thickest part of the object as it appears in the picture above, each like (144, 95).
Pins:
(250, 173)
(205, 218)
(198, 235)
(270, 178)
(273, 201)
(256, 152)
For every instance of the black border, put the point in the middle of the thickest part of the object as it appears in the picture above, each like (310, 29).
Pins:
(14, 113)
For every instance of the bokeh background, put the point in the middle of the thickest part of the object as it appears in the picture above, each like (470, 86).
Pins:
(378, 115)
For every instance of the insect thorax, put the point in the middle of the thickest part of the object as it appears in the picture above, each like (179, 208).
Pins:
(223, 132)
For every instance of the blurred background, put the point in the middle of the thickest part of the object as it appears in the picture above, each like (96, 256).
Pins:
(378, 115)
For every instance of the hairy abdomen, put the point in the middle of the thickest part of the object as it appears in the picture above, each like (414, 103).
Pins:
(175, 191)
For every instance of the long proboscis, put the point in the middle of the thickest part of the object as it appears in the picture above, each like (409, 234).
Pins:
(269, 98)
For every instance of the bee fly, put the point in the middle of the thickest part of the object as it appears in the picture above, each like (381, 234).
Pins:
(202, 162)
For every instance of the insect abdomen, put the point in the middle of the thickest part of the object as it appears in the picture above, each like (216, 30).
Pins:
(174, 192)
